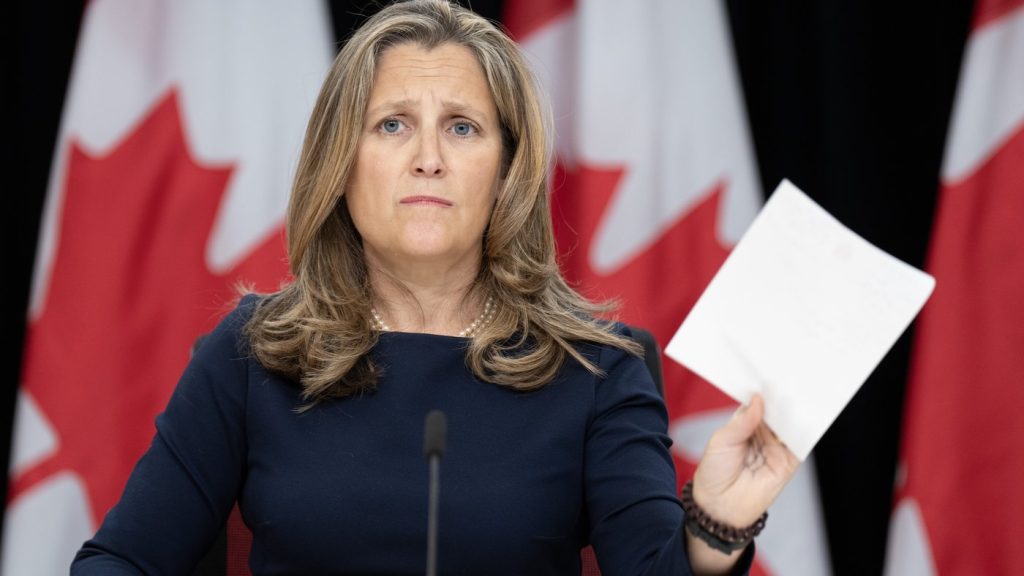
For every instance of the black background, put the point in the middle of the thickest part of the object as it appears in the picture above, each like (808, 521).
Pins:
(848, 99)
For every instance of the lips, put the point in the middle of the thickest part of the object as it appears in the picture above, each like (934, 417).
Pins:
(430, 200)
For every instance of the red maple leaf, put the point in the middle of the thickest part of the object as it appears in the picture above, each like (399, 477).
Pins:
(128, 294)
(658, 286)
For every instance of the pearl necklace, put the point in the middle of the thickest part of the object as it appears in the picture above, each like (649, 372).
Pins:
(481, 320)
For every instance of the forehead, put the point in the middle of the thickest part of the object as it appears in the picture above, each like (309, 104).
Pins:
(448, 70)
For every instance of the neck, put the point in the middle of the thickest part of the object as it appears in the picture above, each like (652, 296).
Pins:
(430, 299)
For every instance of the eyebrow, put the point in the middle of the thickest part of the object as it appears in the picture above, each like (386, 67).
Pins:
(449, 106)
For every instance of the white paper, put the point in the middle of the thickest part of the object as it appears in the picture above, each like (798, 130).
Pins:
(802, 311)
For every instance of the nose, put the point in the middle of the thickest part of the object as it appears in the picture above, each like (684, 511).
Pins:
(428, 161)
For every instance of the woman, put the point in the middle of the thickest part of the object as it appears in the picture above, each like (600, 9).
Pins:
(425, 278)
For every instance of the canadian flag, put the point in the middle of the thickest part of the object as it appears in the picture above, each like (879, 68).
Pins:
(959, 502)
(656, 181)
(169, 185)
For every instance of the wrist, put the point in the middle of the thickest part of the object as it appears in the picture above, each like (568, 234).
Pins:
(717, 534)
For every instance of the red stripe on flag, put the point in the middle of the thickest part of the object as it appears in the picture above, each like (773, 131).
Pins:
(988, 11)
(524, 17)
(963, 430)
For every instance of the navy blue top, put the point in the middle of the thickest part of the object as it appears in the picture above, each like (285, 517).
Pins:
(527, 478)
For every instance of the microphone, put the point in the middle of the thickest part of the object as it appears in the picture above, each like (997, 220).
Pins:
(435, 433)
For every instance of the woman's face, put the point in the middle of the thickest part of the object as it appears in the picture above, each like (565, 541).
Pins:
(428, 165)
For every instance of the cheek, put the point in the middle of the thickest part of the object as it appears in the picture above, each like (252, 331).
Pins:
(355, 210)
(485, 206)
(489, 175)
(362, 191)
(358, 198)
(492, 198)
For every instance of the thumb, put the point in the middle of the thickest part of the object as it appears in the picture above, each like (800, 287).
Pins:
(744, 422)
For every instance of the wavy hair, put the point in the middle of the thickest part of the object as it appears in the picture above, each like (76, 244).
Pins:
(317, 330)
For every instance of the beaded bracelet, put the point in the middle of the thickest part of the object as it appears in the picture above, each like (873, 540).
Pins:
(719, 536)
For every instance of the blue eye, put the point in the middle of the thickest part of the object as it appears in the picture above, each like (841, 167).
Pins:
(391, 126)
(463, 129)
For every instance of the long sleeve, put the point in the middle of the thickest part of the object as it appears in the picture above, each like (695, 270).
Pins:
(636, 519)
(182, 490)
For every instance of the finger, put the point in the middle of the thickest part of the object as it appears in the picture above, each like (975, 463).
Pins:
(744, 422)
(772, 442)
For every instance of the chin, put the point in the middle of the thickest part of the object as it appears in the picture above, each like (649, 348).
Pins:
(428, 252)
(434, 248)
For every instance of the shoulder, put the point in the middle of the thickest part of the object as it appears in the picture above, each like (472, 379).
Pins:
(228, 337)
(607, 355)
(626, 373)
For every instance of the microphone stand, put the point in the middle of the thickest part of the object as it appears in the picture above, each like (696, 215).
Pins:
(434, 439)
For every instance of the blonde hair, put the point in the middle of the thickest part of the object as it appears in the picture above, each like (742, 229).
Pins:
(317, 330)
